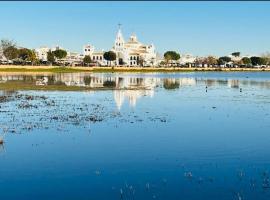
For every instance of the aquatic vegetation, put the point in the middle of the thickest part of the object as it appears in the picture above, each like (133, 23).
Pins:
(39, 111)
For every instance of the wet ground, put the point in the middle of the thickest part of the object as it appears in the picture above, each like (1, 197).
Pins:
(135, 136)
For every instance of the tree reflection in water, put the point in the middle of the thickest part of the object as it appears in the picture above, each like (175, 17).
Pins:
(170, 84)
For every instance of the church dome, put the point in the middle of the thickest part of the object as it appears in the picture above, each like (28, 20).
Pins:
(133, 38)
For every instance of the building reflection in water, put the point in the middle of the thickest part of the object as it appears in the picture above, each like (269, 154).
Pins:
(125, 87)
(131, 95)
(233, 83)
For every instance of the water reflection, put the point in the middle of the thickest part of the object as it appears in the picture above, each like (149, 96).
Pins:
(181, 144)
(125, 86)
(2, 148)
(122, 81)
(131, 95)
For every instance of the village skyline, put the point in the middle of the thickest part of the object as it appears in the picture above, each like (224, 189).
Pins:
(124, 52)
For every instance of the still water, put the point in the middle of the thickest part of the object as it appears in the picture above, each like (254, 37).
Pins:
(135, 136)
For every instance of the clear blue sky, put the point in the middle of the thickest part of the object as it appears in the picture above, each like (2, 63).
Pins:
(200, 28)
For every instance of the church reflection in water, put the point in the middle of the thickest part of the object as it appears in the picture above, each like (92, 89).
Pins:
(130, 87)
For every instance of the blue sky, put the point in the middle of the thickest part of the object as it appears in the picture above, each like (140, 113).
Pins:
(199, 28)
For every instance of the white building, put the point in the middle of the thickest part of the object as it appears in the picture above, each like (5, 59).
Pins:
(187, 58)
(130, 53)
(235, 58)
(71, 58)
(133, 52)
(96, 57)
(41, 53)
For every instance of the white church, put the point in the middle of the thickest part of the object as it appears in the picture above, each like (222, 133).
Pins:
(130, 53)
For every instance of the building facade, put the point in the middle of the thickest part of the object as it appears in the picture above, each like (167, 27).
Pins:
(187, 59)
(96, 57)
(133, 52)
(41, 53)
(130, 53)
(72, 58)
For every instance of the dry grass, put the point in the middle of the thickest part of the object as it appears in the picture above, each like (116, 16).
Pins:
(13, 68)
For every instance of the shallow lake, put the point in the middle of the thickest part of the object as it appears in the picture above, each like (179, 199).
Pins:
(201, 135)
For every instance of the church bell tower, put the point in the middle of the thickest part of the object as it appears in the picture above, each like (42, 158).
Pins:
(119, 40)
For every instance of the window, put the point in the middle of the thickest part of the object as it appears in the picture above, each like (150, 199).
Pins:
(130, 63)
(94, 57)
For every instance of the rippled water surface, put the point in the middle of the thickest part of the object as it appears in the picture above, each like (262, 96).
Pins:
(135, 136)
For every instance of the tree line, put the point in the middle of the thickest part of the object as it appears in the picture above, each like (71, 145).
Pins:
(18, 55)
(171, 57)
(25, 55)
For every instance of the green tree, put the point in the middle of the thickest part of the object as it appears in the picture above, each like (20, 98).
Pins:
(224, 59)
(86, 60)
(236, 54)
(10, 52)
(255, 60)
(246, 61)
(50, 57)
(32, 57)
(171, 56)
(109, 56)
(162, 63)
(23, 54)
(60, 53)
(27, 55)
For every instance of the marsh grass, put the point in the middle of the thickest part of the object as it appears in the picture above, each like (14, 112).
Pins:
(18, 85)
(6, 68)
(24, 85)
(54, 70)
